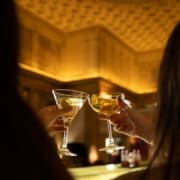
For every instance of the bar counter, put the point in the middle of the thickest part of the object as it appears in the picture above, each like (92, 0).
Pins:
(101, 172)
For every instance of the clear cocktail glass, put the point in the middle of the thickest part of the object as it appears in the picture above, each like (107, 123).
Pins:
(73, 99)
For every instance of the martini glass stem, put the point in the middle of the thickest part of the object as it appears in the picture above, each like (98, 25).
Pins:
(110, 138)
(109, 128)
(65, 138)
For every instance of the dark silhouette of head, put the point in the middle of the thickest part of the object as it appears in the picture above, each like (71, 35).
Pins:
(168, 123)
(168, 111)
(26, 150)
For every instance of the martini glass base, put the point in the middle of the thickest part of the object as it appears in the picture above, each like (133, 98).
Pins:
(111, 148)
(66, 152)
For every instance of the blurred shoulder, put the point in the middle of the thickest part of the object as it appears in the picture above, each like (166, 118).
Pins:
(156, 172)
(131, 175)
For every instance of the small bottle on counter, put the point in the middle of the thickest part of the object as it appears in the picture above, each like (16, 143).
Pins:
(124, 158)
(130, 159)
(138, 158)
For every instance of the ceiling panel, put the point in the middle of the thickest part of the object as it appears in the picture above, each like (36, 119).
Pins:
(142, 25)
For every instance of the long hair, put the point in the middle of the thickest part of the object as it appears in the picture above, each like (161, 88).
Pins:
(26, 150)
(167, 132)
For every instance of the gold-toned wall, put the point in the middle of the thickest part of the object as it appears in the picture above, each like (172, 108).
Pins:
(90, 53)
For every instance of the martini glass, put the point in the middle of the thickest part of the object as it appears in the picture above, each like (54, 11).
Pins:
(106, 105)
(74, 100)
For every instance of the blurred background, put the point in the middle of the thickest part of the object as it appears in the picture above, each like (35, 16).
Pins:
(96, 46)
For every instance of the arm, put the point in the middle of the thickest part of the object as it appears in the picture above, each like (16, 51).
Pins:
(133, 123)
(144, 127)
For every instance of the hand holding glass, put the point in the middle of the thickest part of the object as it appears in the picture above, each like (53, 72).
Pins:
(107, 105)
(68, 98)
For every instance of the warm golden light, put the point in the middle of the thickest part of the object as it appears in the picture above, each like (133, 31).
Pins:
(66, 77)
(72, 77)
(132, 140)
(71, 51)
(110, 167)
(104, 95)
(93, 154)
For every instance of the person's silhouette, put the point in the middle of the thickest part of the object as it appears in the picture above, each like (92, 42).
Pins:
(26, 149)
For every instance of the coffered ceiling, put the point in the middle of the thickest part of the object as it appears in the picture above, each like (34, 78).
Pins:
(143, 25)
(121, 41)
